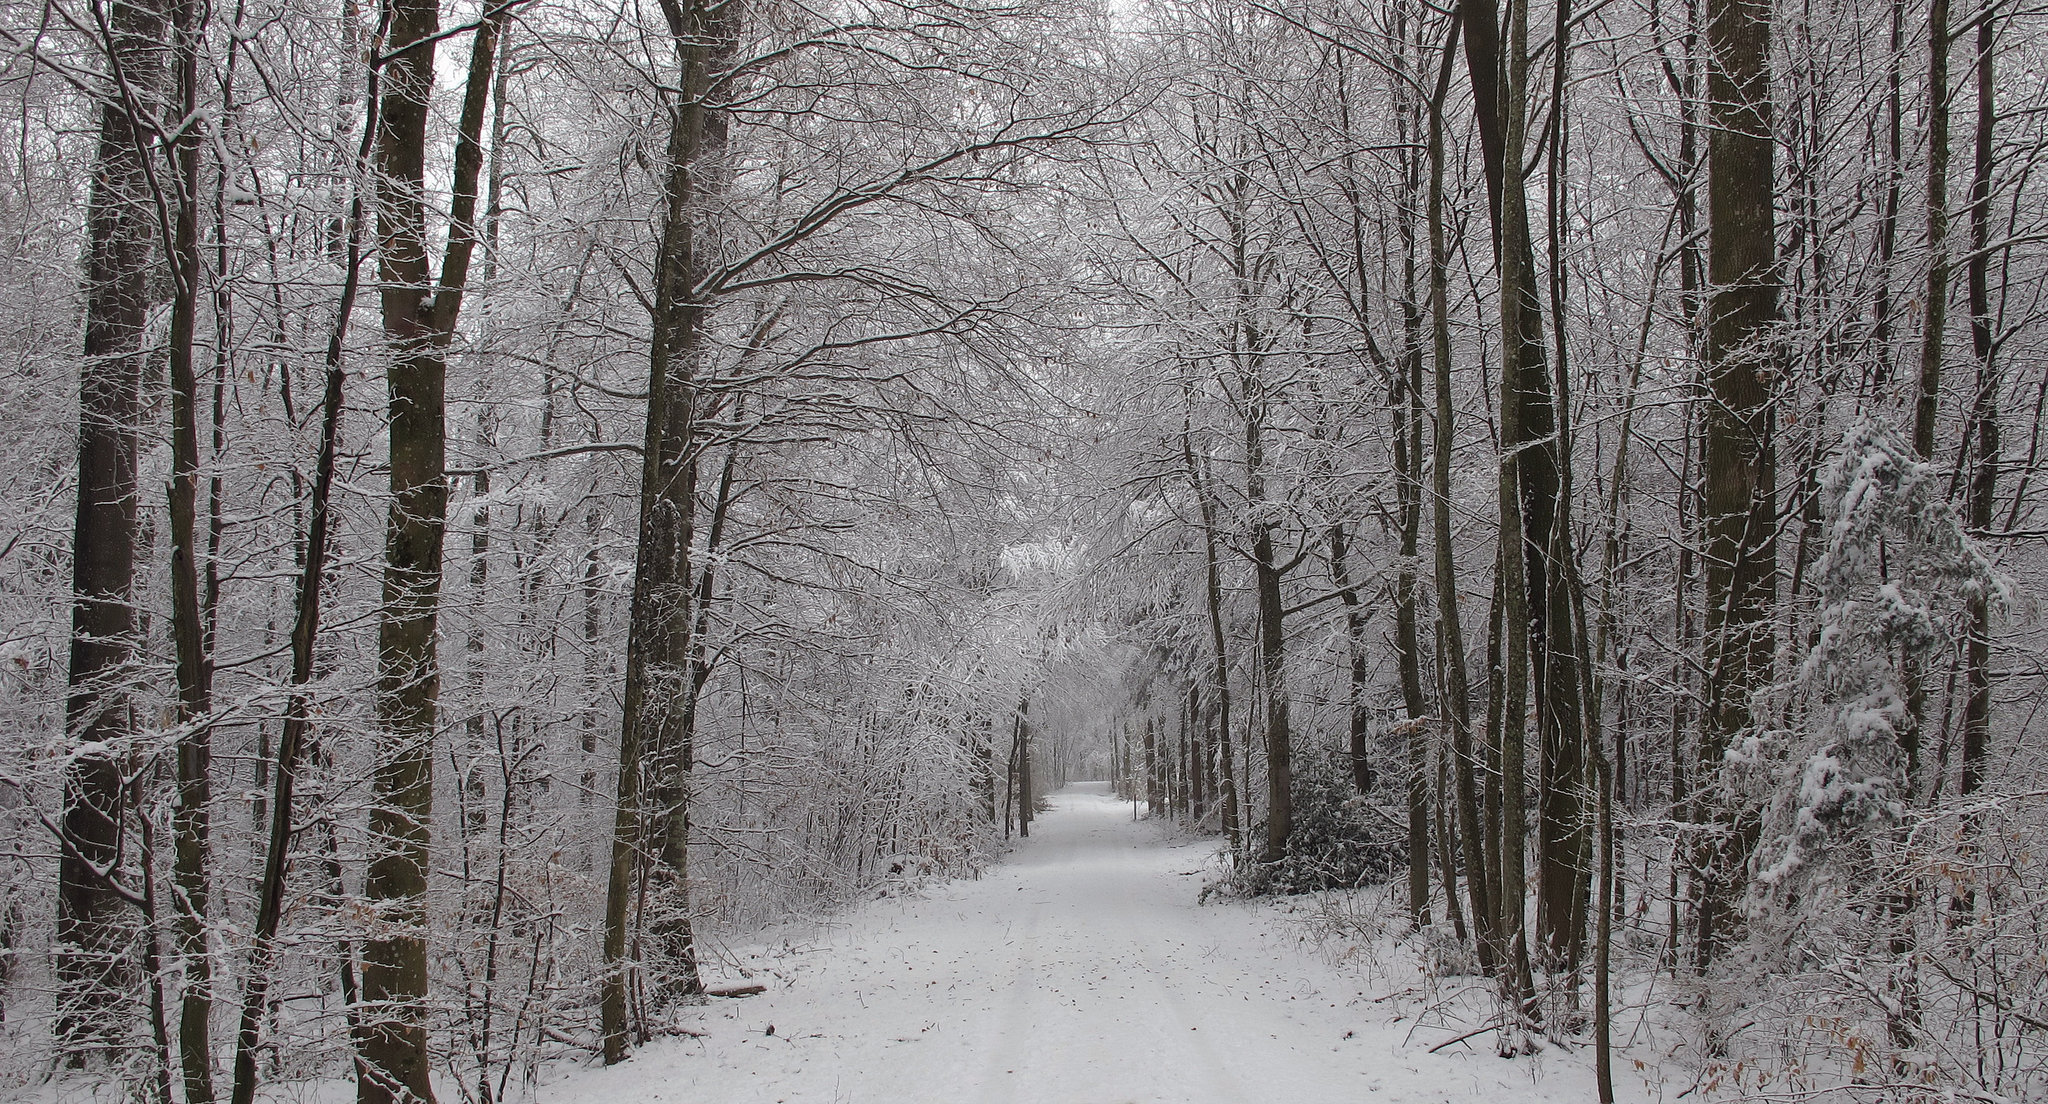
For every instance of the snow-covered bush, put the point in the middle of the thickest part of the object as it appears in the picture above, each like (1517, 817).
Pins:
(1852, 957)
(1895, 580)
(1341, 839)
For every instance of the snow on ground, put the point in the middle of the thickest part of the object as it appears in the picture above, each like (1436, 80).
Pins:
(1080, 971)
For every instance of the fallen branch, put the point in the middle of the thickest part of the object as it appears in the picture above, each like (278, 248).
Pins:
(1462, 1038)
(737, 990)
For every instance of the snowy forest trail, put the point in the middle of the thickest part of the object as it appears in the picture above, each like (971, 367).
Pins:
(1079, 971)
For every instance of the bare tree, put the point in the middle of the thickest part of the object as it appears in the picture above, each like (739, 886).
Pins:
(1739, 497)
(92, 933)
(420, 314)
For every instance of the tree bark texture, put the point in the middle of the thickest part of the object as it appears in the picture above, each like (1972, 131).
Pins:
(191, 847)
(394, 1064)
(1466, 764)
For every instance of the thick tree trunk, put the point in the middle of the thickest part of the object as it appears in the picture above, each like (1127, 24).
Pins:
(1512, 770)
(1738, 499)
(674, 927)
(420, 316)
(395, 1066)
(1408, 640)
(1564, 707)
(653, 736)
(1531, 474)
(1528, 473)
(1273, 678)
(93, 975)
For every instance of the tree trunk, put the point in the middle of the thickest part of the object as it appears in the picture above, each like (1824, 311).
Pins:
(298, 709)
(674, 928)
(1527, 474)
(1927, 395)
(1934, 331)
(1738, 498)
(1358, 735)
(1404, 402)
(985, 771)
(191, 843)
(1457, 691)
(1603, 930)
(94, 979)
(1888, 212)
(1273, 677)
(1447, 842)
(658, 645)
(1984, 478)
(1010, 779)
(1152, 803)
(395, 1066)
(1563, 705)
(1219, 655)
(1024, 810)
(1407, 438)
(419, 322)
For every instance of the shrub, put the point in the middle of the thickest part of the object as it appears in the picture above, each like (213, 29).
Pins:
(1341, 839)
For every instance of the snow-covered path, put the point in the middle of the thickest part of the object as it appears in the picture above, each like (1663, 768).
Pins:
(1080, 971)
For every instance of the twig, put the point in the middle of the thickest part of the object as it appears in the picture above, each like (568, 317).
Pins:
(1461, 1038)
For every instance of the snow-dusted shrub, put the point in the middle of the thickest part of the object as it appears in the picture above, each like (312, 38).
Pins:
(1895, 581)
(1847, 976)
(1341, 839)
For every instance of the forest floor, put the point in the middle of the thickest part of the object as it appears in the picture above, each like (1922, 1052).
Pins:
(1081, 970)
